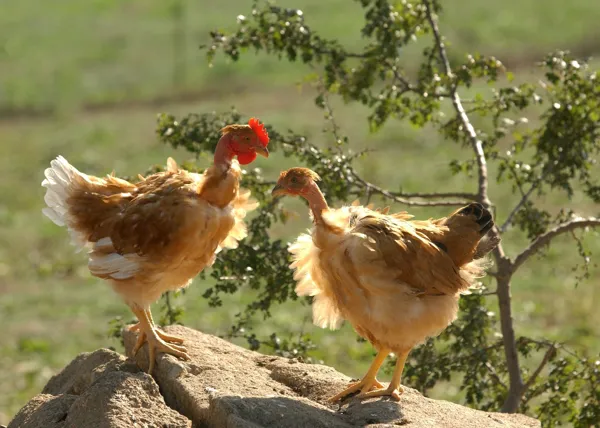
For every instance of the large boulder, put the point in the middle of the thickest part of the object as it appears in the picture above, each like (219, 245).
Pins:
(99, 389)
(227, 386)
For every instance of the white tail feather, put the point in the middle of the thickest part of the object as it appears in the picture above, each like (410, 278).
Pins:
(58, 183)
(114, 265)
(104, 261)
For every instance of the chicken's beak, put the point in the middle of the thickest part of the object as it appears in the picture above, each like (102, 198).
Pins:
(260, 150)
(278, 190)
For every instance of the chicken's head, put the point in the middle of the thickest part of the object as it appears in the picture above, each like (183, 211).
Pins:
(295, 182)
(245, 141)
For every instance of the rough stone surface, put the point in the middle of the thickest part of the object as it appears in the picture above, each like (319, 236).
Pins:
(99, 389)
(225, 385)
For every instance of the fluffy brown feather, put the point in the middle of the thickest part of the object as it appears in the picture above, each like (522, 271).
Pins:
(167, 227)
(395, 279)
(156, 235)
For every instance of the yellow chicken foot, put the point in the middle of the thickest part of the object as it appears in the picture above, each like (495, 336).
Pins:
(149, 334)
(394, 389)
(175, 340)
(164, 336)
(369, 381)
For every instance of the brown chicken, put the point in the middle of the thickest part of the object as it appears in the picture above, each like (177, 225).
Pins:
(156, 235)
(395, 280)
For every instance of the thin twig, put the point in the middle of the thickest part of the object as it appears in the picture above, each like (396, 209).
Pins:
(547, 237)
(470, 130)
(335, 129)
(550, 352)
(494, 374)
(516, 209)
(403, 80)
(342, 53)
(369, 194)
(376, 189)
(465, 195)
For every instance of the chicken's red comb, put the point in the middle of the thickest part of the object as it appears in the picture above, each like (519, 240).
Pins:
(259, 130)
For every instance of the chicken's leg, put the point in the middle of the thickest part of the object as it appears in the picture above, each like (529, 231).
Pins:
(149, 332)
(368, 381)
(142, 337)
(394, 389)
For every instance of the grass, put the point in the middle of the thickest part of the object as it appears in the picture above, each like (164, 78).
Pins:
(71, 57)
(109, 50)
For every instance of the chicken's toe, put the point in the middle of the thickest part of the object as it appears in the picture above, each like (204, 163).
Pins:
(158, 345)
(169, 338)
(363, 385)
(174, 340)
(384, 392)
(139, 343)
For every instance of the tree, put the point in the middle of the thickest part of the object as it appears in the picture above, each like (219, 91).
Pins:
(555, 156)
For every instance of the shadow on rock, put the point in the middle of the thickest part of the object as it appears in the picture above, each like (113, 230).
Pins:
(232, 411)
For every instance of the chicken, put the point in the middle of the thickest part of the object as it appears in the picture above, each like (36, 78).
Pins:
(395, 280)
(156, 235)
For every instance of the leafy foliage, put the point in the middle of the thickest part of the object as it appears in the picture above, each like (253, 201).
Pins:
(557, 155)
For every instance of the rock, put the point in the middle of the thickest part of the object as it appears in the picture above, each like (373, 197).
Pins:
(44, 410)
(99, 389)
(225, 385)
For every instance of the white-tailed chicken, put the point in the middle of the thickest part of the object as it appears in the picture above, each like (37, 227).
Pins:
(156, 235)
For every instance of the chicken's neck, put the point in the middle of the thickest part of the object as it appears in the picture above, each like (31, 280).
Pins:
(223, 153)
(220, 186)
(221, 181)
(316, 202)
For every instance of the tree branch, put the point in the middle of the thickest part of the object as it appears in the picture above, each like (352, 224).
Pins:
(547, 237)
(515, 387)
(464, 195)
(330, 117)
(456, 102)
(378, 190)
(550, 352)
(494, 375)
(516, 209)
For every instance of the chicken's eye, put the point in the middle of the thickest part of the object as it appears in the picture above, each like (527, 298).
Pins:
(247, 138)
(294, 180)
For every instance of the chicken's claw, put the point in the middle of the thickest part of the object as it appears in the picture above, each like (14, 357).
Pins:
(157, 344)
(173, 340)
(169, 338)
(383, 392)
(157, 340)
(364, 385)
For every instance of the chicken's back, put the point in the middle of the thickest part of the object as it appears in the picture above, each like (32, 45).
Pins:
(383, 273)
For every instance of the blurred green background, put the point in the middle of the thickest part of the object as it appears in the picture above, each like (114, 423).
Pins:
(87, 79)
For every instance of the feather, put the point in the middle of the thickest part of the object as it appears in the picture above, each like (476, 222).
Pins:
(386, 273)
(153, 236)
(106, 264)
(61, 179)
(172, 165)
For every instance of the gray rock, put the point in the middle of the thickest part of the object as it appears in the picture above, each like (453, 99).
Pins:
(225, 385)
(99, 389)
(44, 410)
